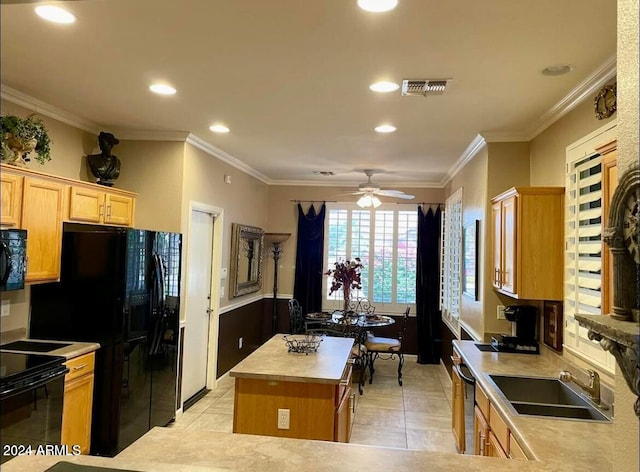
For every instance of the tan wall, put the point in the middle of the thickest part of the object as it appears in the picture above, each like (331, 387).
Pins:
(153, 169)
(549, 148)
(68, 148)
(626, 436)
(283, 218)
(243, 201)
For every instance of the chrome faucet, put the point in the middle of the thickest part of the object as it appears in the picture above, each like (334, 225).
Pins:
(593, 389)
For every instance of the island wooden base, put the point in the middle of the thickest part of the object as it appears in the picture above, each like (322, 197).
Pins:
(316, 410)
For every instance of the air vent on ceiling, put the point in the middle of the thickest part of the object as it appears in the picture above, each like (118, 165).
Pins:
(424, 87)
(323, 172)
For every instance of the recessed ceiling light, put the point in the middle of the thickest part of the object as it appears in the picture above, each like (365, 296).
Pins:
(385, 129)
(384, 87)
(162, 89)
(55, 14)
(557, 69)
(377, 6)
(219, 128)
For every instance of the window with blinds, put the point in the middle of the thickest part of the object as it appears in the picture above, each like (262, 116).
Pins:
(451, 258)
(583, 235)
(385, 240)
(583, 292)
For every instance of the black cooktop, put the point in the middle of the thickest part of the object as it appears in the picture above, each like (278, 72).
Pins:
(17, 367)
(35, 346)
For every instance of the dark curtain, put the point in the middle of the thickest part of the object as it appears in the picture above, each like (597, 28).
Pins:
(307, 287)
(428, 286)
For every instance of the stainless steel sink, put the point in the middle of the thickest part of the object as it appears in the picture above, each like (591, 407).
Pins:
(536, 390)
(545, 396)
(560, 411)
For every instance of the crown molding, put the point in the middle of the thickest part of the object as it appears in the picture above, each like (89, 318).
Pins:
(577, 95)
(310, 183)
(22, 99)
(226, 157)
(582, 91)
(149, 135)
(475, 146)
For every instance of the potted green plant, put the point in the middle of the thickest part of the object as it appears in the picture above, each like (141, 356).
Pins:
(21, 136)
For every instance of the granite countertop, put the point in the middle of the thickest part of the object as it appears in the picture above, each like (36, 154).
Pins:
(173, 449)
(555, 442)
(272, 361)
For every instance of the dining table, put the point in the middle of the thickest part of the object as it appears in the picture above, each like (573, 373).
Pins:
(336, 318)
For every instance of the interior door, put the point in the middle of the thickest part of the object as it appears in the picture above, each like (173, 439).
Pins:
(198, 301)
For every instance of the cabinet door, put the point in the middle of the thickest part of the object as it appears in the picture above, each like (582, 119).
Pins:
(119, 210)
(481, 433)
(76, 413)
(342, 424)
(457, 410)
(86, 205)
(515, 450)
(509, 238)
(42, 211)
(11, 193)
(496, 225)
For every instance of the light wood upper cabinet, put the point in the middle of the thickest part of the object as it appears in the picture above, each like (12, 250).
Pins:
(94, 205)
(39, 203)
(527, 242)
(42, 209)
(11, 193)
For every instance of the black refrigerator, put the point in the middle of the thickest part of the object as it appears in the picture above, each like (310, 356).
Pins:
(121, 288)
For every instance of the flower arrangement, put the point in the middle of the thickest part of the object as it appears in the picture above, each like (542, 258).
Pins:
(346, 275)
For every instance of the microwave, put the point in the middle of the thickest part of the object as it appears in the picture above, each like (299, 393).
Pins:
(13, 258)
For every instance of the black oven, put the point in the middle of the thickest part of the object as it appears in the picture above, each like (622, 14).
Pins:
(31, 398)
(13, 257)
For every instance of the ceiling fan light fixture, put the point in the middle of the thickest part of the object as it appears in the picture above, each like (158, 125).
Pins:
(377, 6)
(368, 201)
(384, 87)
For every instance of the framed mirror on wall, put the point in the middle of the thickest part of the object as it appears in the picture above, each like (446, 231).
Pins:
(470, 237)
(246, 259)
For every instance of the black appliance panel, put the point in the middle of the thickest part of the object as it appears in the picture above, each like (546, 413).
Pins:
(13, 254)
(31, 399)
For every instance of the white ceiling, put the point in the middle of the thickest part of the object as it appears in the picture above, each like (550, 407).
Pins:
(290, 77)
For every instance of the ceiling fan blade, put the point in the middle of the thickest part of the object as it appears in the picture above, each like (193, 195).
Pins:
(344, 194)
(391, 193)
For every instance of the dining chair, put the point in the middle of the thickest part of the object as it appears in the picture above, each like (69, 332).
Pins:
(361, 305)
(358, 350)
(296, 320)
(387, 348)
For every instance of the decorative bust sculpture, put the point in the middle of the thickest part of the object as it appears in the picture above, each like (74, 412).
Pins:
(105, 167)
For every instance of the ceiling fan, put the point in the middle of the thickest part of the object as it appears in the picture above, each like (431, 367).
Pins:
(370, 191)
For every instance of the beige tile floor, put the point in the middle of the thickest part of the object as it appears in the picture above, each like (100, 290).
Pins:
(414, 416)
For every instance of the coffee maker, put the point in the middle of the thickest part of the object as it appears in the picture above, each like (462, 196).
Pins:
(523, 331)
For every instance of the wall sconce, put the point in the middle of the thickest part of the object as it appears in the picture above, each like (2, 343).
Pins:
(275, 240)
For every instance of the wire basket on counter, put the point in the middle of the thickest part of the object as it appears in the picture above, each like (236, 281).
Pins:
(302, 343)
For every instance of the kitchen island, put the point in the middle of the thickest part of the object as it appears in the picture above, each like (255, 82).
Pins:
(294, 395)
